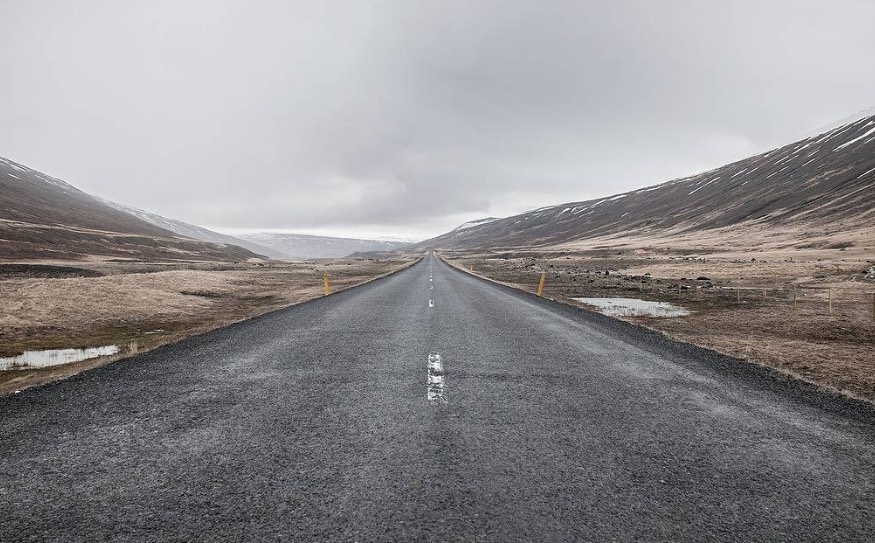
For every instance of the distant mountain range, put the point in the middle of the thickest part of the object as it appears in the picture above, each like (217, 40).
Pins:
(811, 193)
(195, 232)
(46, 218)
(307, 246)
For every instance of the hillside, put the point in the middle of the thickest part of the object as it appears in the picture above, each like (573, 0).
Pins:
(194, 231)
(44, 217)
(813, 193)
(307, 246)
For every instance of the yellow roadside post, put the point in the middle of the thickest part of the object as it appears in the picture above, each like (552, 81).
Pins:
(830, 301)
(325, 283)
(541, 283)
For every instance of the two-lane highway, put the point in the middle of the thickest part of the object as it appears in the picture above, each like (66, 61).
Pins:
(433, 406)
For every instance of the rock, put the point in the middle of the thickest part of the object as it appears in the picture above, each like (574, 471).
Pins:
(870, 273)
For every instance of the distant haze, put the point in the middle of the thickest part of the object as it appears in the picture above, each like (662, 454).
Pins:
(406, 119)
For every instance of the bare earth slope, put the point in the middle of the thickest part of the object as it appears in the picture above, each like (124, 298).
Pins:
(824, 183)
(44, 217)
(194, 231)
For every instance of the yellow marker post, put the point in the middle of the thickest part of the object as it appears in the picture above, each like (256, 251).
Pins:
(830, 301)
(541, 283)
(326, 283)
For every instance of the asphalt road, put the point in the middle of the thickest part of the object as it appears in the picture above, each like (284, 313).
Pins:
(436, 407)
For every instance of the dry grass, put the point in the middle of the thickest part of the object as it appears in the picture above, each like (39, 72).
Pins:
(144, 305)
(729, 312)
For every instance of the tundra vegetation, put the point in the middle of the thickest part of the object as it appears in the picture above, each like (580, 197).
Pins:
(142, 305)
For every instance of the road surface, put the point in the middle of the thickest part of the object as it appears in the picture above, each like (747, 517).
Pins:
(433, 406)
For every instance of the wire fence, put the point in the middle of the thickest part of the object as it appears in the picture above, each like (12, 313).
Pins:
(829, 300)
(856, 300)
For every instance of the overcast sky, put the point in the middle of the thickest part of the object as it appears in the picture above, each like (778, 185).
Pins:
(409, 117)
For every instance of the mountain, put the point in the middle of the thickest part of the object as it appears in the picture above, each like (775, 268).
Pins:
(478, 222)
(306, 246)
(194, 231)
(44, 217)
(812, 193)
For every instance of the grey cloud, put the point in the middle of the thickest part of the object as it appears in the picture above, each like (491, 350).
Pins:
(408, 117)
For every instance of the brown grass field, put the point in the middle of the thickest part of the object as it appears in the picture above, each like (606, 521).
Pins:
(139, 306)
(741, 302)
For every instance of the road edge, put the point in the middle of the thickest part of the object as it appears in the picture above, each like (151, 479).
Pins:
(114, 359)
(771, 378)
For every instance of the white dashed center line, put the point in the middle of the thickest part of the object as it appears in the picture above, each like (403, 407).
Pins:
(436, 379)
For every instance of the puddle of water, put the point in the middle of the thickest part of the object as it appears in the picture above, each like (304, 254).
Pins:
(436, 379)
(54, 357)
(634, 307)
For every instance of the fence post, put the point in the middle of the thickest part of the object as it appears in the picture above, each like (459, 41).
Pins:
(737, 295)
(325, 283)
(764, 295)
(794, 297)
(830, 301)
(541, 283)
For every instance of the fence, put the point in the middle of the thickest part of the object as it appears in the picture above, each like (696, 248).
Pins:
(798, 298)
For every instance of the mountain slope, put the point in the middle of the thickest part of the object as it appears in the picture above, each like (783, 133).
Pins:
(825, 181)
(44, 217)
(194, 231)
(307, 246)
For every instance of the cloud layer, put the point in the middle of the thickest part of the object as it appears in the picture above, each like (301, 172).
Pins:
(410, 117)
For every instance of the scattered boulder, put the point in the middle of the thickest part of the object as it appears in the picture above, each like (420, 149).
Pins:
(870, 273)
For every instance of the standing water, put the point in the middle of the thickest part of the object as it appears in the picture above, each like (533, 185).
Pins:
(54, 357)
(634, 307)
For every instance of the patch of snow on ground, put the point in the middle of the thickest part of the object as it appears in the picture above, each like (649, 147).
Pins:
(858, 138)
(705, 185)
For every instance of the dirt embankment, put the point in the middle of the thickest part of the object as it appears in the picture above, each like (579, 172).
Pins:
(139, 306)
(741, 305)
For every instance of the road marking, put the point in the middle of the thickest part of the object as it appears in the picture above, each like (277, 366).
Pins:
(435, 391)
